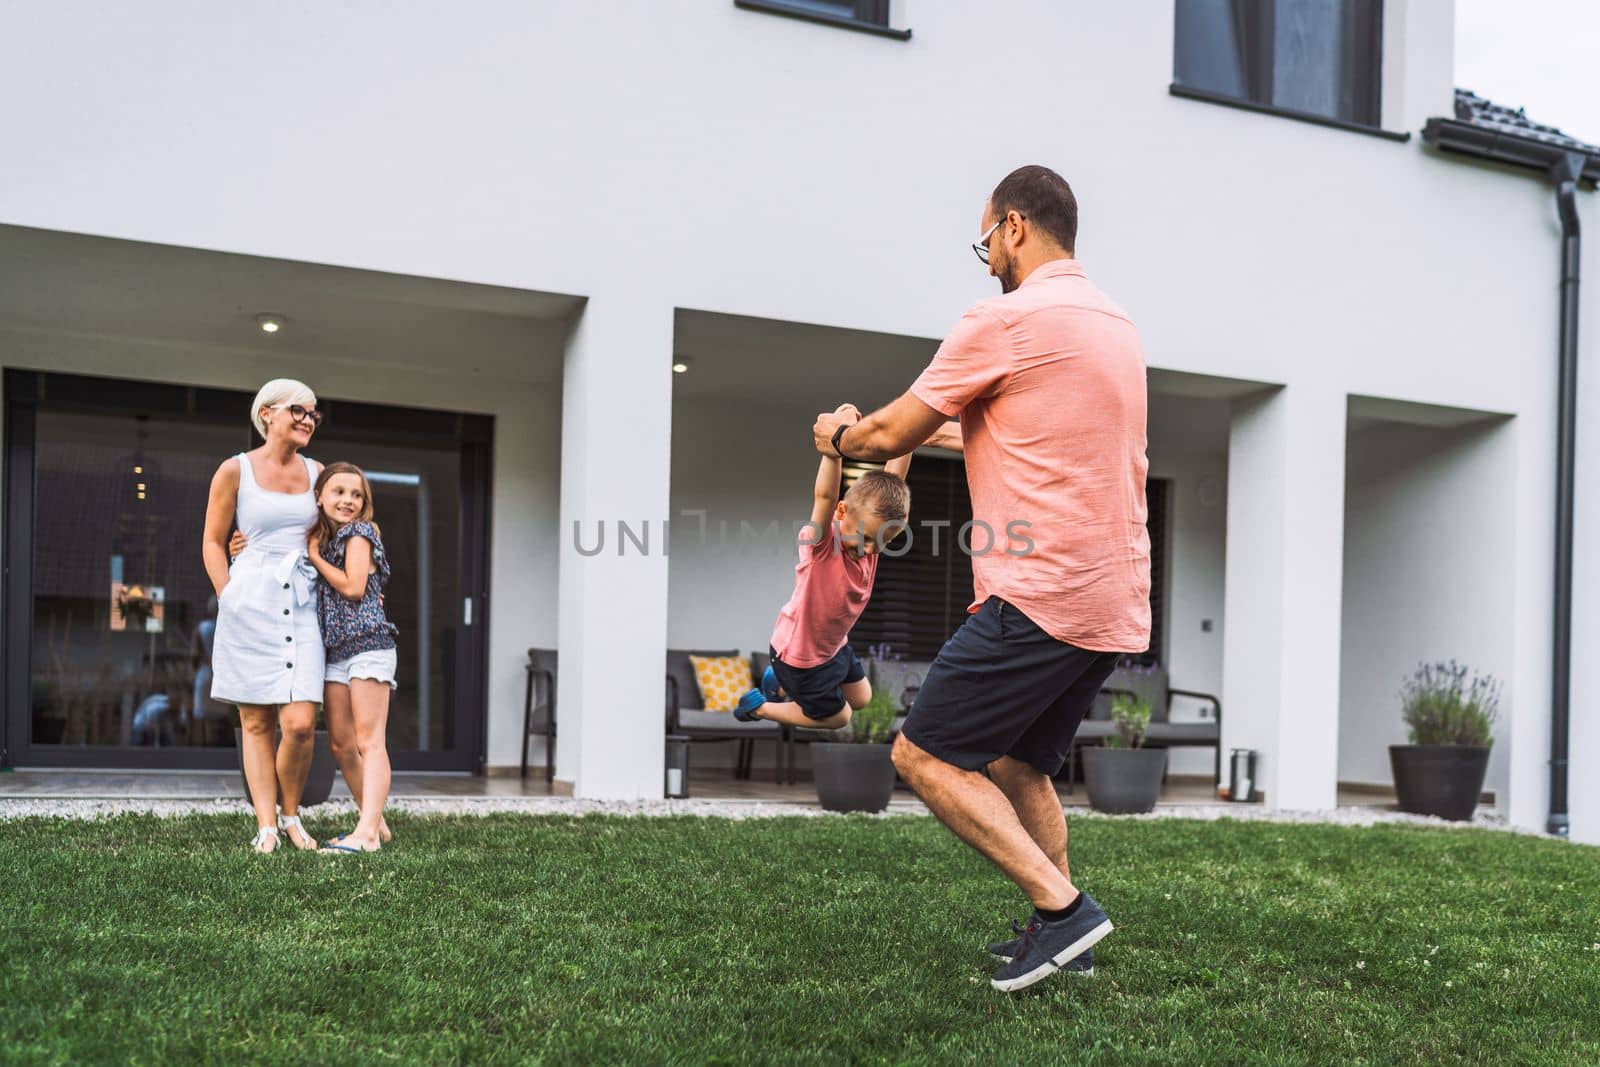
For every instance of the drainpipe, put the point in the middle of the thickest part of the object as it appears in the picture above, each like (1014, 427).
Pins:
(1565, 171)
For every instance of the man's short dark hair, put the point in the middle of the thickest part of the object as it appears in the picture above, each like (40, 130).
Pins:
(1044, 198)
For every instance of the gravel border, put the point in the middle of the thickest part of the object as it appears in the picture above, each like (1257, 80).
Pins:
(23, 808)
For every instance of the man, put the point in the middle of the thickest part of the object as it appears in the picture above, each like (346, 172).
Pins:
(1048, 382)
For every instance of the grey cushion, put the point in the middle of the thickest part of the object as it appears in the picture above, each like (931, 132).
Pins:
(901, 679)
(689, 719)
(1151, 683)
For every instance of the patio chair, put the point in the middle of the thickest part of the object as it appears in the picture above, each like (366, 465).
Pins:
(1153, 685)
(539, 708)
(686, 715)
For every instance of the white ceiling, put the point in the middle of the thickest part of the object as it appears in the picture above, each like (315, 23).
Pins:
(80, 284)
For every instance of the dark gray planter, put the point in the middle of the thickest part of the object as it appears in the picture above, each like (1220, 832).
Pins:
(852, 777)
(1123, 781)
(319, 780)
(1442, 780)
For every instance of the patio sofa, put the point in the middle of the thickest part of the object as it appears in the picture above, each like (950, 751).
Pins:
(1154, 685)
(686, 714)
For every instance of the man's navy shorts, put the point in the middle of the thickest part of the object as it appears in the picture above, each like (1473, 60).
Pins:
(1003, 687)
(819, 690)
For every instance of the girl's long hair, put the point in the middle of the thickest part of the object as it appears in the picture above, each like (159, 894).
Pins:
(325, 526)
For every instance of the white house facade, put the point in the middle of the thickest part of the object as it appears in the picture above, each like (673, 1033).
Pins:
(488, 232)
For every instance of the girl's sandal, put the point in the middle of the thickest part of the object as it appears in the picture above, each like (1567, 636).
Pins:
(291, 824)
(266, 841)
(336, 847)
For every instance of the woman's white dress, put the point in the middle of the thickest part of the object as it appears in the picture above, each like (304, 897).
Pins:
(268, 646)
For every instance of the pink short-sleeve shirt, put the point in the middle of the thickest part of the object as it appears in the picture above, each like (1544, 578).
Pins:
(831, 590)
(1049, 383)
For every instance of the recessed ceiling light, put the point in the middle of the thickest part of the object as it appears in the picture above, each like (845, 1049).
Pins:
(269, 322)
(680, 365)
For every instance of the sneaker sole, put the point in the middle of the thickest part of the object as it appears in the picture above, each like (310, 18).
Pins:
(1087, 972)
(1051, 966)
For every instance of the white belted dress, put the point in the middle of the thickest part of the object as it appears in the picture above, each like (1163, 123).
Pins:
(268, 647)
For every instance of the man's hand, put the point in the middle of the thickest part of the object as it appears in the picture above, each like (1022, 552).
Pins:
(236, 544)
(829, 421)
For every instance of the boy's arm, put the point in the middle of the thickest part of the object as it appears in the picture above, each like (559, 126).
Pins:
(825, 494)
(898, 465)
(947, 437)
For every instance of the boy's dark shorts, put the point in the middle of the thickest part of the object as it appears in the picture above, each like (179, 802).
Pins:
(819, 690)
(1003, 687)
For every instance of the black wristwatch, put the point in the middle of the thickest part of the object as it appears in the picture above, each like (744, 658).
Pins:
(835, 442)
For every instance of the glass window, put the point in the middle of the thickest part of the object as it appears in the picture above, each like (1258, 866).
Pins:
(1315, 57)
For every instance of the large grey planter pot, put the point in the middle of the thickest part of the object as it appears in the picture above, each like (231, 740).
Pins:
(1442, 780)
(1123, 781)
(319, 780)
(852, 777)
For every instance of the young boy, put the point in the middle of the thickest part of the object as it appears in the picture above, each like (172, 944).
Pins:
(815, 679)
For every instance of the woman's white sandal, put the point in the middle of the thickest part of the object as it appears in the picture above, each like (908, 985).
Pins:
(264, 835)
(290, 823)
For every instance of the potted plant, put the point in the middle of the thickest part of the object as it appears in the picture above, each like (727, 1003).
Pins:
(319, 779)
(1123, 777)
(852, 768)
(1449, 713)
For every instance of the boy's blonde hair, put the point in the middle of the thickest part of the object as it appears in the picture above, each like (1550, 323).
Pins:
(886, 494)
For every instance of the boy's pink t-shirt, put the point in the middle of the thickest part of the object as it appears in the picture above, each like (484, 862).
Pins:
(1049, 383)
(830, 591)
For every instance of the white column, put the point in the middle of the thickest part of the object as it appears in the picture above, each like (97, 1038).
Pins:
(616, 422)
(1280, 687)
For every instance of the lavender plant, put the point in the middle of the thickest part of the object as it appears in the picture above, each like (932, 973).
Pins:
(1131, 717)
(1448, 704)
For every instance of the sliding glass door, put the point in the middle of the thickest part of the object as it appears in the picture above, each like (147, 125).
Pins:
(109, 613)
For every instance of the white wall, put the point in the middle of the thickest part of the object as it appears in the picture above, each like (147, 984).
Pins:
(525, 480)
(1428, 531)
(771, 167)
(1188, 444)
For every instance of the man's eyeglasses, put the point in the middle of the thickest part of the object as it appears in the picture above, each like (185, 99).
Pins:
(981, 245)
(302, 414)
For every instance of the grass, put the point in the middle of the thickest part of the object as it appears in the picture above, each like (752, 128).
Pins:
(518, 939)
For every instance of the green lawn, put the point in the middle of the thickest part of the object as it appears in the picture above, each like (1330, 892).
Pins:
(514, 939)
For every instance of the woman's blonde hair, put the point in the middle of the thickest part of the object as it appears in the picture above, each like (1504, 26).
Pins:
(278, 391)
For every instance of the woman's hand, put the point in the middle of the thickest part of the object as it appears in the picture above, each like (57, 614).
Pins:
(236, 544)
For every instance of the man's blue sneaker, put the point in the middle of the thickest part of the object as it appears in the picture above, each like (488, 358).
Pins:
(1005, 951)
(746, 709)
(769, 684)
(1043, 948)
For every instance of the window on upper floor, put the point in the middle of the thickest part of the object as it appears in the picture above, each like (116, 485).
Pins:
(869, 15)
(1320, 58)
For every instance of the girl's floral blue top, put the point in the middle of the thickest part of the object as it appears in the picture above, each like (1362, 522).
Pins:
(351, 627)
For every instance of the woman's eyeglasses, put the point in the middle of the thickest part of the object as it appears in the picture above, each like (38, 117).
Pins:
(303, 414)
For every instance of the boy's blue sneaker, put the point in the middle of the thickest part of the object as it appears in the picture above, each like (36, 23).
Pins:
(745, 711)
(1043, 948)
(1005, 951)
(769, 684)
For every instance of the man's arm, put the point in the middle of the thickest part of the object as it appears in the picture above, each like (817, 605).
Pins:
(886, 433)
(947, 437)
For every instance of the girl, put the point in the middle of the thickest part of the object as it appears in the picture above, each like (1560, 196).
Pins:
(346, 549)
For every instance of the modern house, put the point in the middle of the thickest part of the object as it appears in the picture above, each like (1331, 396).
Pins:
(488, 234)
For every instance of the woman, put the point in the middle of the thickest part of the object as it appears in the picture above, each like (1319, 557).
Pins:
(268, 656)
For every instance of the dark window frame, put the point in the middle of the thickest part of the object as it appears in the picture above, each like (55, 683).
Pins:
(1256, 27)
(867, 16)
(899, 613)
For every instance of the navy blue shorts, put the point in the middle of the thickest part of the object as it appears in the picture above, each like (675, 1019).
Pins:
(1003, 687)
(819, 690)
